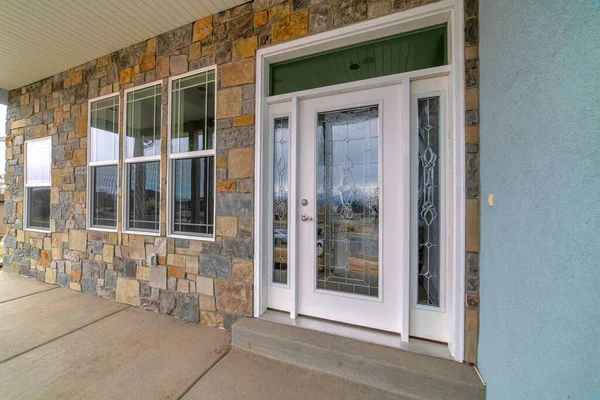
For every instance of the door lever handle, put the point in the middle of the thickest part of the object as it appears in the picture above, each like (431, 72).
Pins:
(305, 218)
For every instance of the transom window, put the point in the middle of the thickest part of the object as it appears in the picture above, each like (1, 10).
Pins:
(103, 163)
(192, 155)
(142, 159)
(38, 156)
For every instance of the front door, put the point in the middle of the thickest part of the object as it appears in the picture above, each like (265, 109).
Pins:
(353, 227)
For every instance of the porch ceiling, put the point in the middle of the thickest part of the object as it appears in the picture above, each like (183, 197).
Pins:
(44, 37)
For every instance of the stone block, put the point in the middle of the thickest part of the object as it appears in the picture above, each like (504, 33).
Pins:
(142, 273)
(147, 62)
(183, 286)
(244, 48)
(205, 285)
(242, 270)
(235, 204)
(379, 9)
(208, 303)
(75, 286)
(229, 102)
(208, 318)
(243, 120)
(110, 279)
(160, 247)
(162, 67)
(173, 40)
(158, 277)
(45, 258)
(167, 302)
(77, 240)
(178, 64)
(234, 297)
(238, 73)
(176, 272)
(260, 19)
(203, 28)
(226, 226)
(195, 51)
(240, 163)
(63, 280)
(237, 248)
(50, 276)
(291, 27)
(128, 291)
(235, 137)
(129, 268)
(89, 285)
(187, 307)
(215, 266)
(191, 265)
(177, 260)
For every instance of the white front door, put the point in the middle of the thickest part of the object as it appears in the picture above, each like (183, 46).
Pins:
(353, 225)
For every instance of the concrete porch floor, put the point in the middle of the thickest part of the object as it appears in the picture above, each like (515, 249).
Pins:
(59, 344)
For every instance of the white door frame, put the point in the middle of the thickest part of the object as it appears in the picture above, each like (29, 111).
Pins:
(446, 11)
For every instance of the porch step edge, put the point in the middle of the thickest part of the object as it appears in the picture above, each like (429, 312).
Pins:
(396, 371)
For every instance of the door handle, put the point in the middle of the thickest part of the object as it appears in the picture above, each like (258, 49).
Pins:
(305, 218)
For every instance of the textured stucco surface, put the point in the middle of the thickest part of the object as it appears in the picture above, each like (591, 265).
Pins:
(540, 156)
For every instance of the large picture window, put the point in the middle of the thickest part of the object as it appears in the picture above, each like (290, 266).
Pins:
(103, 162)
(192, 155)
(142, 159)
(38, 156)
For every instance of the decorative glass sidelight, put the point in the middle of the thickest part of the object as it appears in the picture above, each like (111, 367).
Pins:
(280, 199)
(429, 283)
(348, 201)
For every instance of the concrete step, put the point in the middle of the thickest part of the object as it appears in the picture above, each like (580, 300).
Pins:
(399, 372)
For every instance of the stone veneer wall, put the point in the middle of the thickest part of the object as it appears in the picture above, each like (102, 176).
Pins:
(210, 282)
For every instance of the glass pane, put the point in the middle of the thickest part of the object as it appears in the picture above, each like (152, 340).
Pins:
(144, 196)
(409, 51)
(39, 155)
(104, 130)
(193, 196)
(193, 113)
(280, 200)
(38, 207)
(143, 122)
(429, 202)
(104, 196)
(348, 201)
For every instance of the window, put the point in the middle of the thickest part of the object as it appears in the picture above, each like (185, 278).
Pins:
(142, 159)
(192, 155)
(103, 163)
(281, 139)
(38, 156)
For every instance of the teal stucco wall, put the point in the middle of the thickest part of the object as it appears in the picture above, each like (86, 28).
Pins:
(540, 156)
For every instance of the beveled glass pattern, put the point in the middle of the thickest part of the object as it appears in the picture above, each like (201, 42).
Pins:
(348, 201)
(281, 139)
(429, 202)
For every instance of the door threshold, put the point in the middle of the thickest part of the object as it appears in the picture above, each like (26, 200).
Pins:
(374, 336)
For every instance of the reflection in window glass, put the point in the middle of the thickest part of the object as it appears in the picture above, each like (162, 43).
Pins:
(193, 113)
(104, 129)
(192, 199)
(143, 122)
(144, 196)
(38, 207)
(281, 139)
(104, 196)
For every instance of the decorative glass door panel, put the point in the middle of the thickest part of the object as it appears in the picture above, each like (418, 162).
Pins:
(348, 201)
(349, 148)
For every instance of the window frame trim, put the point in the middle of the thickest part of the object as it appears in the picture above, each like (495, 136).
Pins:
(188, 155)
(26, 185)
(139, 160)
(92, 164)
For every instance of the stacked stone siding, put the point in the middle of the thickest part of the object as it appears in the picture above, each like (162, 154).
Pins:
(209, 282)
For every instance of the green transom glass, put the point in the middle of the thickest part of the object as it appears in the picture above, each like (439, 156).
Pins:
(425, 48)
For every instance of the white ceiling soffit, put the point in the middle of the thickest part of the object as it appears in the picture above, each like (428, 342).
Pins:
(40, 38)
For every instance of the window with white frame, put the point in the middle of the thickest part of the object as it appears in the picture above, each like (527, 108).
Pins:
(192, 155)
(103, 163)
(38, 156)
(142, 159)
